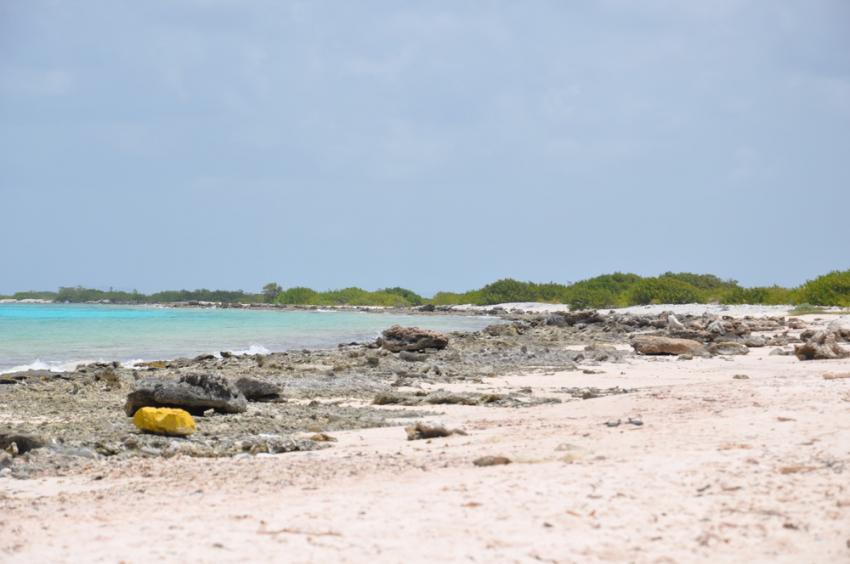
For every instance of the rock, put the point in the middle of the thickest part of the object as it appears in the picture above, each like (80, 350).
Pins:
(674, 324)
(373, 360)
(755, 341)
(422, 430)
(491, 461)
(502, 330)
(822, 345)
(645, 344)
(601, 353)
(740, 377)
(569, 319)
(398, 338)
(258, 390)
(22, 443)
(322, 438)
(781, 352)
(193, 392)
(836, 375)
(728, 347)
(717, 327)
(412, 356)
(164, 421)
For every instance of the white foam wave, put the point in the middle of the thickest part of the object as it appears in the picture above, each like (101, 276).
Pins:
(52, 366)
(253, 349)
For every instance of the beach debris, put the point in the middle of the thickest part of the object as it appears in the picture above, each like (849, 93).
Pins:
(398, 338)
(423, 430)
(491, 461)
(258, 390)
(728, 348)
(323, 438)
(614, 423)
(193, 392)
(443, 397)
(634, 421)
(586, 393)
(164, 421)
(650, 345)
(836, 375)
(740, 377)
(796, 469)
(823, 345)
(15, 443)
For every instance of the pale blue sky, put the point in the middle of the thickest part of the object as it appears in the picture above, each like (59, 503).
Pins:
(433, 145)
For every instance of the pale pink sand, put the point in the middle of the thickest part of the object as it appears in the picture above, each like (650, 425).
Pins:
(722, 470)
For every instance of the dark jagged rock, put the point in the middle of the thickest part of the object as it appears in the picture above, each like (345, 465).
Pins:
(398, 338)
(258, 390)
(572, 318)
(195, 393)
(23, 443)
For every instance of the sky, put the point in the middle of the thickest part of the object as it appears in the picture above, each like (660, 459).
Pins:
(433, 145)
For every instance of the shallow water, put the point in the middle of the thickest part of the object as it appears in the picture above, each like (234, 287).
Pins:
(59, 336)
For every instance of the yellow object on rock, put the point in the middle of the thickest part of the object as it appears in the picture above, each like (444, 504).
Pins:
(164, 421)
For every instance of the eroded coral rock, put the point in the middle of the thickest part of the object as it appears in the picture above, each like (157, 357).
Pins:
(650, 345)
(195, 393)
(398, 338)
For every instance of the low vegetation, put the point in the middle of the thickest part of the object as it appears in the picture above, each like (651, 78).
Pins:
(608, 290)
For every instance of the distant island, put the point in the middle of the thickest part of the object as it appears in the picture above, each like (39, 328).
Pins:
(608, 290)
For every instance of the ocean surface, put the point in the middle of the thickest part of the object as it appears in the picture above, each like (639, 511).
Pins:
(60, 336)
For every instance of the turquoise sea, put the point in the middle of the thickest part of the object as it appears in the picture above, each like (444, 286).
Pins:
(59, 336)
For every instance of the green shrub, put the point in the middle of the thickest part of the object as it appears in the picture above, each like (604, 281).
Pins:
(507, 290)
(768, 295)
(607, 290)
(831, 289)
(410, 297)
(663, 291)
(298, 296)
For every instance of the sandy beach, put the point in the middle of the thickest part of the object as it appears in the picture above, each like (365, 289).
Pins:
(722, 458)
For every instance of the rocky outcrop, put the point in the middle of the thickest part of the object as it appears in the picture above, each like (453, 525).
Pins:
(823, 345)
(651, 345)
(573, 318)
(195, 393)
(258, 390)
(398, 338)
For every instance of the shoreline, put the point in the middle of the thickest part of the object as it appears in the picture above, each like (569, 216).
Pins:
(737, 456)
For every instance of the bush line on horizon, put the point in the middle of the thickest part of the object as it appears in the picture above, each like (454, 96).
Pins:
(607, 290)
